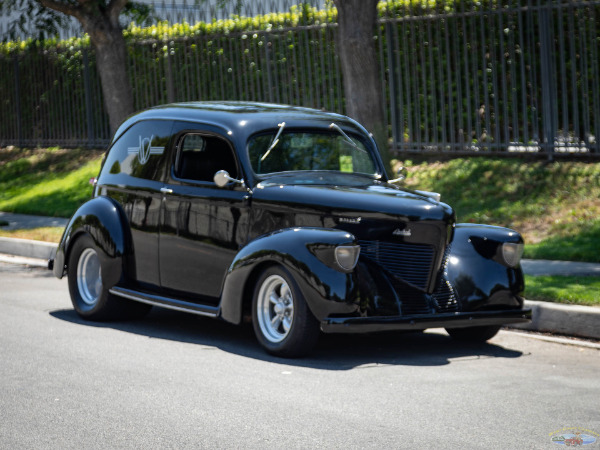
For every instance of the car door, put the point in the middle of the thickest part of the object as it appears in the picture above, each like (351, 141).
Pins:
(202, 226)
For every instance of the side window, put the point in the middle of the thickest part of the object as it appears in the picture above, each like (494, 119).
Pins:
(141, 151)
(200, 156)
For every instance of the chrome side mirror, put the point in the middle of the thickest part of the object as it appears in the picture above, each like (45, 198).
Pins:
(222, 177)
(401, 175)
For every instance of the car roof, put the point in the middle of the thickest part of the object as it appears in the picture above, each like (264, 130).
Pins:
(242, 118)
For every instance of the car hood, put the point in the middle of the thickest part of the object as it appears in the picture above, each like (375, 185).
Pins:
(370, 201)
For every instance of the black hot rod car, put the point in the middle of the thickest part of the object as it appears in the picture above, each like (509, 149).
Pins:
(284, 215)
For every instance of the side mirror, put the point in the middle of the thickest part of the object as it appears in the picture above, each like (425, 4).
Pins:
(222, 177)
(401, 175)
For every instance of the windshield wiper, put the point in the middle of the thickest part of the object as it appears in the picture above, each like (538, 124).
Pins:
(348, 139)
(274, 142)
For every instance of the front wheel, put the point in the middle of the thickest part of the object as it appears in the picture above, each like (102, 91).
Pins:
(90, 297)
(474, 334)
(283, 323)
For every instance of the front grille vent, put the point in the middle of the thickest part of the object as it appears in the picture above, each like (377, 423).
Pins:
(412, 263)
(444, 298)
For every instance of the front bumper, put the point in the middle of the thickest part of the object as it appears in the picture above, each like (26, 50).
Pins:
(424, 321)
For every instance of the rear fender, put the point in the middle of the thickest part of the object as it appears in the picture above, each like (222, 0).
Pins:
(476, 269)
(104, 221)
(326, 289)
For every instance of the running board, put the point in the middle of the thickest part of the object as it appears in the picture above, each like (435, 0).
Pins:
(166, 302)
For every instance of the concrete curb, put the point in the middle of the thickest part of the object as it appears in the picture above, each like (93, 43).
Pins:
(27, 248)
(572, 320)
(23, 260)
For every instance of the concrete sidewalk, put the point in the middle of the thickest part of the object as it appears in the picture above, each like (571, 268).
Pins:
(539, 267)
(572, 320)
(26, 221)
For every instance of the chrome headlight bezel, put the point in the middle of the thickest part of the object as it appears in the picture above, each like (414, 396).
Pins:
(346, 257)
(512, 253)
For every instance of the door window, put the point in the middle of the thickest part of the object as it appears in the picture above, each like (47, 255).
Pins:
(201, 156)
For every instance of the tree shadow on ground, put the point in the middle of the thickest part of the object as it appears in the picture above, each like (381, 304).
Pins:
(333, 352)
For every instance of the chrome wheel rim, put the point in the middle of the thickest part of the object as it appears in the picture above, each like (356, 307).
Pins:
(89, 277)
(275, 309)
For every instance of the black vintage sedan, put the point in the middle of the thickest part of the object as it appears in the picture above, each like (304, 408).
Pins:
(284, 216)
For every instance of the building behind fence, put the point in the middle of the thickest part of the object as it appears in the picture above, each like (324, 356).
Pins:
(460, 77)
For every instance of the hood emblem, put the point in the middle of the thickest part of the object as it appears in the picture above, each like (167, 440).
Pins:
(349, 219)
(399, 232)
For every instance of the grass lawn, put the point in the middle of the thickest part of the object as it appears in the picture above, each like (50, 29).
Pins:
(51, 182)
(556, 206)
(571, 290)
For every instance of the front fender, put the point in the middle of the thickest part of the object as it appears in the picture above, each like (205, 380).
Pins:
(475, 268)
(104, 221)
(326, 290)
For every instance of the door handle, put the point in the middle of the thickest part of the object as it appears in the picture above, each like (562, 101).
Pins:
(165, 190)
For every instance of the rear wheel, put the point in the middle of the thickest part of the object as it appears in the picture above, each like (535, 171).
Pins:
(283, 323)
(474, 334)
(90, 297)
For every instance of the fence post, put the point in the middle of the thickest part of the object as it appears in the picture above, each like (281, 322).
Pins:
(268, 65)
(393, 70)
(169, 80)
(549, 107)
(18, 101)
(88, 98)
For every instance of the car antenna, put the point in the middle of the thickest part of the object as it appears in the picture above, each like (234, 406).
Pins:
(275, 141)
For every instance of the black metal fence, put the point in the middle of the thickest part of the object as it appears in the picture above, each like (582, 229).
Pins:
(460, 77)
(521, 77)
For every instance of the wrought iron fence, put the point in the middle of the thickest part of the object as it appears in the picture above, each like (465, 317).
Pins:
(521, 77)
(460, 77)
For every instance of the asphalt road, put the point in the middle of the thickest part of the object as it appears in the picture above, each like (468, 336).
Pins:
(178, 381)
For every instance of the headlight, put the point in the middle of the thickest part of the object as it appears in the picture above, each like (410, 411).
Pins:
(346, 256)
(512, 253)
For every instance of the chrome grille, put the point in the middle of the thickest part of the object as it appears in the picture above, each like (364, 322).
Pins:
(412, 263)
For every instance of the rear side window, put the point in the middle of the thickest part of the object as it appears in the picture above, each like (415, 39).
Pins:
(201, 156)
(142, 150)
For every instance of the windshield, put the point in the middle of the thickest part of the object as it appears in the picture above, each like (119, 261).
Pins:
(294, 151)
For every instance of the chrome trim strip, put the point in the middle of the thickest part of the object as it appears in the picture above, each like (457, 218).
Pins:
(165, 302)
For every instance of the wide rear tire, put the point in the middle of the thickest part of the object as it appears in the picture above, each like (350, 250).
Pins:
(90, 296)
(282, 320)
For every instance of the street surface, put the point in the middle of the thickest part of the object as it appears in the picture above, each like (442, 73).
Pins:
(173, 380)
